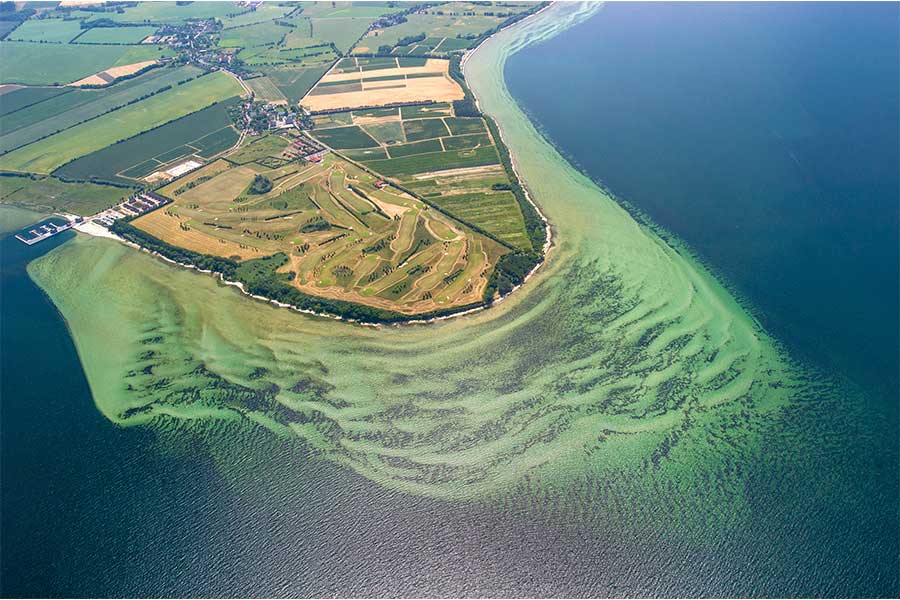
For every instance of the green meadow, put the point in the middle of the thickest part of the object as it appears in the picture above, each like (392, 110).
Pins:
(48, 194)
(33, 63)
(116, 35)
(46, 30)
(77, 106)
(48, 154)
(406, 167)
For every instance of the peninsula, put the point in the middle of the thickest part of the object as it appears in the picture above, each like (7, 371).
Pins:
(355, 178)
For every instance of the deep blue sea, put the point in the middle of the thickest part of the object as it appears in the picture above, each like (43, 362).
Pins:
(765, 135)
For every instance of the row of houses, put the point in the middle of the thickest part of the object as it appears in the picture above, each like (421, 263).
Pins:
(136, 205)
(307, 149)
(141, 203)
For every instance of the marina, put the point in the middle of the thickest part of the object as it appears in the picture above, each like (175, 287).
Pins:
(46, 229)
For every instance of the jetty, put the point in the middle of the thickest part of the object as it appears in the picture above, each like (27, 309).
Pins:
(42, 231)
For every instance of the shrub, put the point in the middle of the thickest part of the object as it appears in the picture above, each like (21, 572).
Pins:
(261, 185)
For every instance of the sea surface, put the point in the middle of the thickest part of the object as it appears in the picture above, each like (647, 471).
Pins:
(766, 136)
(619, 427)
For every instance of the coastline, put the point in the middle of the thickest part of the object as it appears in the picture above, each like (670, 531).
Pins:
(89, 229)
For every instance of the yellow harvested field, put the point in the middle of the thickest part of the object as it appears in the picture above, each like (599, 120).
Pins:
(432, 65)
(109, 75)
(167, 226)
(440, 88)
(462, 172)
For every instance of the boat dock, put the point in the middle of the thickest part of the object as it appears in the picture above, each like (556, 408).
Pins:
(42, 231)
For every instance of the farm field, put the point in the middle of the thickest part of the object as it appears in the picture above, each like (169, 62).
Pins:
(6, 27)
(15, 98)
(317, 54)
(442, 31)
(34, 63)
(204, 133)
(172, 12)
(48, 194)
(340, 23)
(279, 34)
(347, 86)
(265, 89)
(46, 30)
(293, 81)
(407, 167)
(260, 34)
(116, 35)
(265, 12)
(330, 232)
(63, 111)
(450, 162)
(46, 155)
(342, 31)
(368, 10)
(109, 76)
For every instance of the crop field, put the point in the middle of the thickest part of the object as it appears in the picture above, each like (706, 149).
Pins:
(248, 36)
(34, 63)
(438, 109)
(265, 89)
(496, 212)
(333, 233)
(207, 132)
(463, 19)
(47, 30)
(348, 86)
(368, 10)
(342, 31)
(172, 12)
(423, 147)
(390, 132)
(49, 153)
(409, 166)
(464, 126)
(261, 147)
(450, 162)
(116, 35)
(341, 23)
(346, 137)
(449, 44)
(265, 12)
(459, 142)
(60, 112)
(6, 27)
(47, 194)
(280, 33)
(317, 55)
(424, 129)
(294, 82)
(14, 99)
